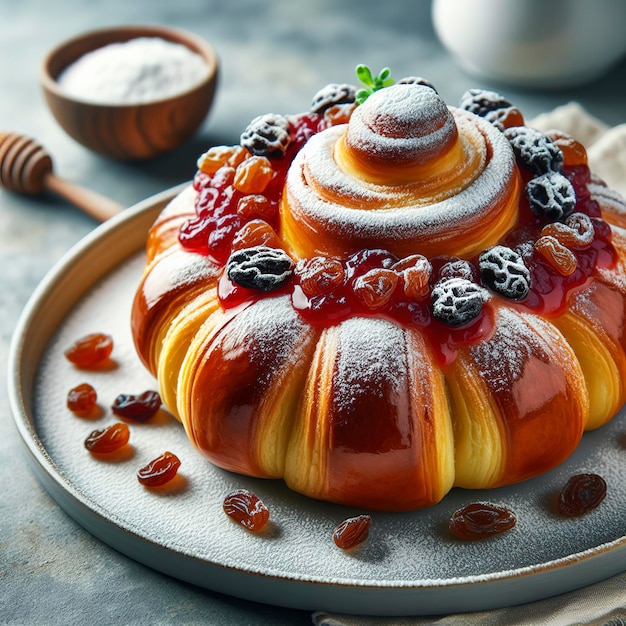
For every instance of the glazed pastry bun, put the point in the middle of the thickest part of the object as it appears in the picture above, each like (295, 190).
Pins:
(386, 297)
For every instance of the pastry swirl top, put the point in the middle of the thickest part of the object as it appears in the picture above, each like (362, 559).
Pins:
(407, 174)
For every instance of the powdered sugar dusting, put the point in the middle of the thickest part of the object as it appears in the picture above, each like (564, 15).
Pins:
(371, 356)
(403, 123)
(517, 337)
(275, 331)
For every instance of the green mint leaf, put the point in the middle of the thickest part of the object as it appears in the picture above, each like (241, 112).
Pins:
(364, 74)
(362, 95)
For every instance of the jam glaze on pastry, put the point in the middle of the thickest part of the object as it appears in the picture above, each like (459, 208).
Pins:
(378, 302)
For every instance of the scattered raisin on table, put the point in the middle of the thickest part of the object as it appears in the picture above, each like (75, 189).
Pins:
(82, 399)
(108, 440)
(582, 493)
(159, 471)
(480, 520)
(352, 532)
(138, 408)
(247, 509)
(90, 350)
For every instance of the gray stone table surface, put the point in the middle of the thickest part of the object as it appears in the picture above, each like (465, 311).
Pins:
(274, 56)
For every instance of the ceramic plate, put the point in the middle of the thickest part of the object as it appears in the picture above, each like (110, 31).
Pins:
(410, 563)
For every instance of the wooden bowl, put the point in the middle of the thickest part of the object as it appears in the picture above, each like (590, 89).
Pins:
(129, 131)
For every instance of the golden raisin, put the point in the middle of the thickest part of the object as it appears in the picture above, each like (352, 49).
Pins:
(90, 350)
(574, 153)
(217, 156)
(559, 257)
(577, 231)
(352, 532)
(415, 271)
(319, 275)
(480, 520)
(253, 175)
(256, 233)
(337, 114)
(82, 399)
(108, 440)
(159, 471)
(507, 117)
(255, 206)
(375, 288)
(238, 155)
(247, 509)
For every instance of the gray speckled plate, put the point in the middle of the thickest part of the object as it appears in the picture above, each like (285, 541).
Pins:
(409, 565)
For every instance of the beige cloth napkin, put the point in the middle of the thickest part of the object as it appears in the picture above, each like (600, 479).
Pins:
(602, 604)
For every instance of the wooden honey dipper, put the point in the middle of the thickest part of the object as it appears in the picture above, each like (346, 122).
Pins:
(26, 168)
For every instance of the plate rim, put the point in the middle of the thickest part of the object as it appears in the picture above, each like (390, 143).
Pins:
(312, 593)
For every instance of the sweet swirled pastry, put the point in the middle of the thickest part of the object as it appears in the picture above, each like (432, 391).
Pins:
(386, 297)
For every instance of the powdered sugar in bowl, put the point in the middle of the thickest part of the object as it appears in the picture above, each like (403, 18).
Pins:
(131, 92)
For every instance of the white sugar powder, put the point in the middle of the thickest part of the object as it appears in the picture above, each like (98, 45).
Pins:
(141, 70)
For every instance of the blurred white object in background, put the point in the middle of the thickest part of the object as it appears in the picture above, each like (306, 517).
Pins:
(533, 43)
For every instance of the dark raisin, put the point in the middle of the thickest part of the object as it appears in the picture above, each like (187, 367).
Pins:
(416, 80)
(581, 494)
(457, 268)
(457, 301)
(260, 268)
(331, 95)
(267, 135)
(503, 270)
(138, 408)
(534, 150)
(480, 101)
(551, 196)
(481, 520)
